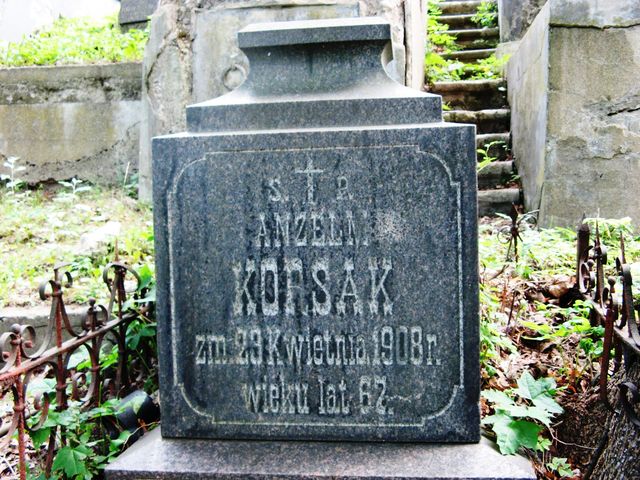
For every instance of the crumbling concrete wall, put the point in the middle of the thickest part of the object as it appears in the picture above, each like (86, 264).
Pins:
(587, 109)
(516, 16)
(527, 76)
(192, 54)
(71, 121)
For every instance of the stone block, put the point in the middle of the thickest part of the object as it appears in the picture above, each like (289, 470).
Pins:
(516, 16)
(593, 126)
(316, 252)
(594, 13)
(136, 13)
(71, 121)
(575, 118)
(38, 318)
(154, 457)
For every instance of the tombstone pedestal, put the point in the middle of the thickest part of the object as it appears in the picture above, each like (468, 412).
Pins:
(154, 457)
(317, 275)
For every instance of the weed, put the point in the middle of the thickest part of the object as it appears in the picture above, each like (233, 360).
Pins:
(76, 40)
(560, 466)
(521, 413)
(439, 39)
(83, 435)
(76, 187)
(89, 438)
(492, 341)
(486, 157)
(438, 69)
(486, 15)
(487, 68)
(38, 231)
(14, 184)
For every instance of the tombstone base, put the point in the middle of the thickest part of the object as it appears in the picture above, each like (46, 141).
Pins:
(154, 457)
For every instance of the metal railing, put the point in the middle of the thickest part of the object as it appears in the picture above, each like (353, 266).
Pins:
(617, 314)
(24, 357)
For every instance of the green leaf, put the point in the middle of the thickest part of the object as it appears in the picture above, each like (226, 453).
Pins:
(537, 327)
(70, 461)
(85, 437)
(135, 403)
(543, 444)
(55, 419)
(560, 466)
(547, 403)
(40, 436)
(116, 444)
(42, 386)
(530, 388)
(515, 434)
(534, 413)
(498, 417)
(501, 399)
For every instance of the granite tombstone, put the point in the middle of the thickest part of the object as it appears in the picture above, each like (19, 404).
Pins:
(316, 251)
(136, 13)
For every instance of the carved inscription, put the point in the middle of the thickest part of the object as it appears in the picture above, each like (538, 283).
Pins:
(313, 320)
(387, 345)
(280, 289)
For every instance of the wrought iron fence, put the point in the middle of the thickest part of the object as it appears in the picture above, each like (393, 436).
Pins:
(25, 357)
(616, 313)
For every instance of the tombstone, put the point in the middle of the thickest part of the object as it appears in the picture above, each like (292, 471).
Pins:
(136, 13)
(316, 262)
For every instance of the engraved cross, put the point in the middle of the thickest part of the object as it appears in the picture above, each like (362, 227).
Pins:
(309, 172)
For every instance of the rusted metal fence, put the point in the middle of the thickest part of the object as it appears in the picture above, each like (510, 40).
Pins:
(24, 357)
(616, 313)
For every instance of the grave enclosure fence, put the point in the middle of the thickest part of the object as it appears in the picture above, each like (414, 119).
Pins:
(24, 358)
(617, 314)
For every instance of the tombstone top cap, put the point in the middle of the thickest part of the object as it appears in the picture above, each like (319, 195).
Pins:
(314, 31)
(316, 73)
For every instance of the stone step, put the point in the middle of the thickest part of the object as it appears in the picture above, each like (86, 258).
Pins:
(458, 21)
(486, 121)
(476, 38)
(477, 44)
(500, 152)
(498, 147)
(472, 94)
(484, 139)
(491, 202)
(473, 33)
(469, 55)
(495, 174)
(464, 7)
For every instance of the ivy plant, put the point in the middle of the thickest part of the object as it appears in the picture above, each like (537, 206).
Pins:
(521, 413)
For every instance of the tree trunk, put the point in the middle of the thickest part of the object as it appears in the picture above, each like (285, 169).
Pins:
(619, 457)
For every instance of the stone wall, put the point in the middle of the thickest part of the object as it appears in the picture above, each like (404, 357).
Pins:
(71, 120)
(515, 17)
(577, 136)
(527, 75)
(192, 54)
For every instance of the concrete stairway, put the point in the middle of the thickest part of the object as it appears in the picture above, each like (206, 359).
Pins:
(481, 102)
